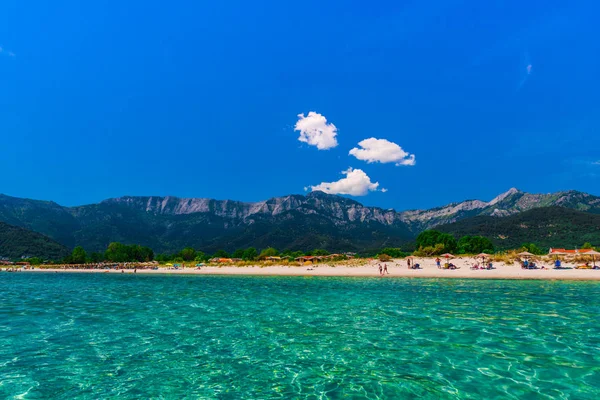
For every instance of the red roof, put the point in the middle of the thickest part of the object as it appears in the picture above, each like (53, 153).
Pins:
(577, 251)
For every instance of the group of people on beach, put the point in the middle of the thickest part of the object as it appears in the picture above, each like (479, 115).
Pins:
(411, 265)
(448, 265)
(383, 270)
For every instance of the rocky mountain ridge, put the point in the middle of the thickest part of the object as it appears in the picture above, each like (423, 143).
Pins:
(508, 203)
(314, 220)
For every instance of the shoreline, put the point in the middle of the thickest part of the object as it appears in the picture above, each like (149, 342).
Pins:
(505, 272)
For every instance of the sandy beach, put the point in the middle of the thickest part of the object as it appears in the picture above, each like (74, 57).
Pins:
(396, 268)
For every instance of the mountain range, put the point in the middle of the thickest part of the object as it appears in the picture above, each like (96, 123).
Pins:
(298, 222)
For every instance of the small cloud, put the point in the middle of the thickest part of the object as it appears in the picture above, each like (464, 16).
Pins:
(383, 151)
(384, 190)
(356, 183)
(596, 162)
(315, 131)
(8, 53)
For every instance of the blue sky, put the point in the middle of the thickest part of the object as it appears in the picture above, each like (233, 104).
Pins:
(201, 99)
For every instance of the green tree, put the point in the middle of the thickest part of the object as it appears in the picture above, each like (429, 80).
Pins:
(221, 254)
(475, 244)
(118, 252)
(296, 254)
(200, 256)
(429, 251)
(78, 256)
(532, 248)
(188, 254)
(163, 257)
(250, 254)
(239, 253)
(431, 238)
(428, 238)
(34, 260)
(268, 252)
(147, 254)
(587, 245)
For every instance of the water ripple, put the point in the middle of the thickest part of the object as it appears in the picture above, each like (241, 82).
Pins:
(96, 336)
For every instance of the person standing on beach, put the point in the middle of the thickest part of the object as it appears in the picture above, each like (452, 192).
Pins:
(380, 270)
(438, 262)
(408, 262)
(385, 271)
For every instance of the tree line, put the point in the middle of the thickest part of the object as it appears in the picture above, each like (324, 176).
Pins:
(119, 253)
(432, 243)
(428, 243)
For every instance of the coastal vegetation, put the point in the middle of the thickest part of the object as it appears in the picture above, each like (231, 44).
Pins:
(433, 242)
(430, 243)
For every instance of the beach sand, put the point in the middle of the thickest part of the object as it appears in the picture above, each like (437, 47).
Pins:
(396, 268)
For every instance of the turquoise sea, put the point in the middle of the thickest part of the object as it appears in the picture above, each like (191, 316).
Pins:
(90, 336)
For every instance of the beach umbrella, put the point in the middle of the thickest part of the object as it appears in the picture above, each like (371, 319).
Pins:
(525, 254)
(447, 256)
(556, 254)
(483, 256)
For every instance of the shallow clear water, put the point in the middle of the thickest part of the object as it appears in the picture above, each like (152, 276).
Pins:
(132, 336)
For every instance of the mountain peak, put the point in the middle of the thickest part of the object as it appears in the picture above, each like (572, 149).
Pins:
(318, 194)
(504, 195)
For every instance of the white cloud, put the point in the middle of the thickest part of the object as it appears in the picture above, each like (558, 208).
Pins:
(596, 162)
(356, 183)
(383, 151)
(315, 131)
(8, 53)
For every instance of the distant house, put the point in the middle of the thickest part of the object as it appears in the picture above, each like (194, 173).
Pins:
(272, 258)
(220, 260)
(312, 259)
(569, 252)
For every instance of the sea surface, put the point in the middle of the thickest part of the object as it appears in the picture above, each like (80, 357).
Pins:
(91, 336)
